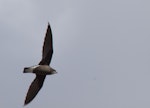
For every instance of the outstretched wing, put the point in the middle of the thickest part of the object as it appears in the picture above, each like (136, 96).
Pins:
(34, 88)
(47, 47)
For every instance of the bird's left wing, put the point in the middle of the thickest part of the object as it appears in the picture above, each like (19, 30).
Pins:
(34, 88)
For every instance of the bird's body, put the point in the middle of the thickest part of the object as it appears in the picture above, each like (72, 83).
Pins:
(42, 69)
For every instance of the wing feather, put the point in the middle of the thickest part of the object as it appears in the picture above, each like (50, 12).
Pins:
(47, 47)
(34, 88)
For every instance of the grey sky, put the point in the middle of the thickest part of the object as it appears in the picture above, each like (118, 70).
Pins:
(101, 52)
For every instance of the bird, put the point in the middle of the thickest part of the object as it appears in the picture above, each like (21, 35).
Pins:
(42, 69)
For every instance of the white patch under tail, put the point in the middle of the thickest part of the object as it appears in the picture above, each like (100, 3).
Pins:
(30, 69)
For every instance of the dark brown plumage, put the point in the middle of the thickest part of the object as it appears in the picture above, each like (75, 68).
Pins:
(47, 53)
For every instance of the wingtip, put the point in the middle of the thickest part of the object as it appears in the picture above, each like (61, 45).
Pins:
(48, 24)
(26, 103)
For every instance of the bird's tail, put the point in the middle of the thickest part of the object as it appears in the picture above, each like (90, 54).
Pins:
(27, 70)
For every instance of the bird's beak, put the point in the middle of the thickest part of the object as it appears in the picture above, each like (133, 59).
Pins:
(54, 72)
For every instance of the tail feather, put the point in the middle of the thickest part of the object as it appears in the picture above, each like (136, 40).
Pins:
(27, 70)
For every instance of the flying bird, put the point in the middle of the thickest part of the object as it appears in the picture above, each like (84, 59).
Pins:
(42, 69)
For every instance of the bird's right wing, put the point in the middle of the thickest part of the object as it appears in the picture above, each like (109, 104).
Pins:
(47, 47)
(34, 88)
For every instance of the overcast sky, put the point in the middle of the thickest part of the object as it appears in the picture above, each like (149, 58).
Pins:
(101, 53)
